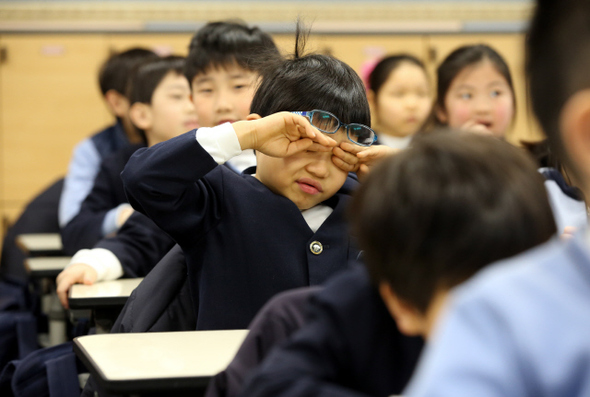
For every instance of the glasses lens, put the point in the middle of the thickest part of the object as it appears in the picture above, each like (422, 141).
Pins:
(324, 122)
(361, 134)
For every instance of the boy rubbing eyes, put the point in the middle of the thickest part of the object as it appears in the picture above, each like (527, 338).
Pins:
(247, 237)
(427, 219)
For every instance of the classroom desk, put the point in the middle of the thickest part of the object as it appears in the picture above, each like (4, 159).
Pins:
(152, 362)
(46, 266)
(102, 294)
(101, 301)
(40, 244)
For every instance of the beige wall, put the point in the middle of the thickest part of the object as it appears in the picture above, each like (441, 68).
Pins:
(49, 97)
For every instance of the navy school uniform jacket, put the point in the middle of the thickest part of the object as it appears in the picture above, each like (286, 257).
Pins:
(349, 346)
(85, 229)
(242, 242)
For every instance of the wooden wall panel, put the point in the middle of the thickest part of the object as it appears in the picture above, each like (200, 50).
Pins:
(50, 101)
(161, 43)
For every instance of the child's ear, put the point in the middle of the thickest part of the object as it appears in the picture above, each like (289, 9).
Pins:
(441, 114)
(117, 103)
(574, 124)
(253, 116)
(141, 115)
(408, 319)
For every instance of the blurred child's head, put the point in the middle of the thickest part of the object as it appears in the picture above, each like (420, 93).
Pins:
(475, 91)
(399, 94)
(222, 68)
(431, 216)
(305, 83)
(114, 76)
(161, 106)
(557, 65)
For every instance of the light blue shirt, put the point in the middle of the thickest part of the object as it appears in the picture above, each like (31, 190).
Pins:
(518, 328)
(82, 171)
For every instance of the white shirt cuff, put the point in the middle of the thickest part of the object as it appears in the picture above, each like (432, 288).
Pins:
(221, 142)
(106, 264)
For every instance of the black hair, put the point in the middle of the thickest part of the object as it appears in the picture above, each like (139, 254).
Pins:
(308, 82)
(557, 62)
(458, 60)
(388, 65)
(146, 77)
(219, 44)
(116, 70)
(432, 215)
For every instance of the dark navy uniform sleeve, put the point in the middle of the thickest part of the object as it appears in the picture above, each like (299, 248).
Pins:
(138, 245)
(165, 183)
(350, 346)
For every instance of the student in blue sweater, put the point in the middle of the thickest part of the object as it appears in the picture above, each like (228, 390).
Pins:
(521, 327)
(247, 237)
(89, 154)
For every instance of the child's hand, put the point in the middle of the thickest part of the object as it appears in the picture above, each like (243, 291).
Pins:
(355, 158)
(281, 135)
(568, 232)
(475, 127)
(79, 273)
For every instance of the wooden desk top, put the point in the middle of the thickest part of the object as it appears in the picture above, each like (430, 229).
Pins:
(40, 243)
(167, 361)
(102, 294)
(46, 266)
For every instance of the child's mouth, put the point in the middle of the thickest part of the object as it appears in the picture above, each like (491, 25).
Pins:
(309, 186)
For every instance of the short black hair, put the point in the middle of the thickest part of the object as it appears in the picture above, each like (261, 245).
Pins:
(219, 44)
(461, 58)
(557, 63)
(146, 77)
(431, 216)
(388, 65)
(308, 82)
(116, 70)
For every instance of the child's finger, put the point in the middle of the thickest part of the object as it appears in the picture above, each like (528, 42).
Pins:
(352, 148)
(316, 147)
(345, 156)
(343, 165)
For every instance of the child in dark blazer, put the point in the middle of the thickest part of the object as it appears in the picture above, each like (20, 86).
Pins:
(247, 237)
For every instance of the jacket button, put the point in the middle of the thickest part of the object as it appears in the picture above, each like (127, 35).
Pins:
(316, 247)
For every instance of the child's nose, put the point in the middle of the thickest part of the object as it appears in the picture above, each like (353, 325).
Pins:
(483, 105)
(319, 166)
(224, 103)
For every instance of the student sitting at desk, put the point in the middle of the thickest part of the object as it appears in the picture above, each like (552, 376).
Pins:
(426, 219)
(222, 75)
(90, 153)
(247, 237)
(161, 108)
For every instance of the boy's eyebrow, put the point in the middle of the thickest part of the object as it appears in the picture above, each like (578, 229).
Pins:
(175, 86)
(203, 79)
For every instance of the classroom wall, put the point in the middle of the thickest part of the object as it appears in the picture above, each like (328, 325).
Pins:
(49, 96)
